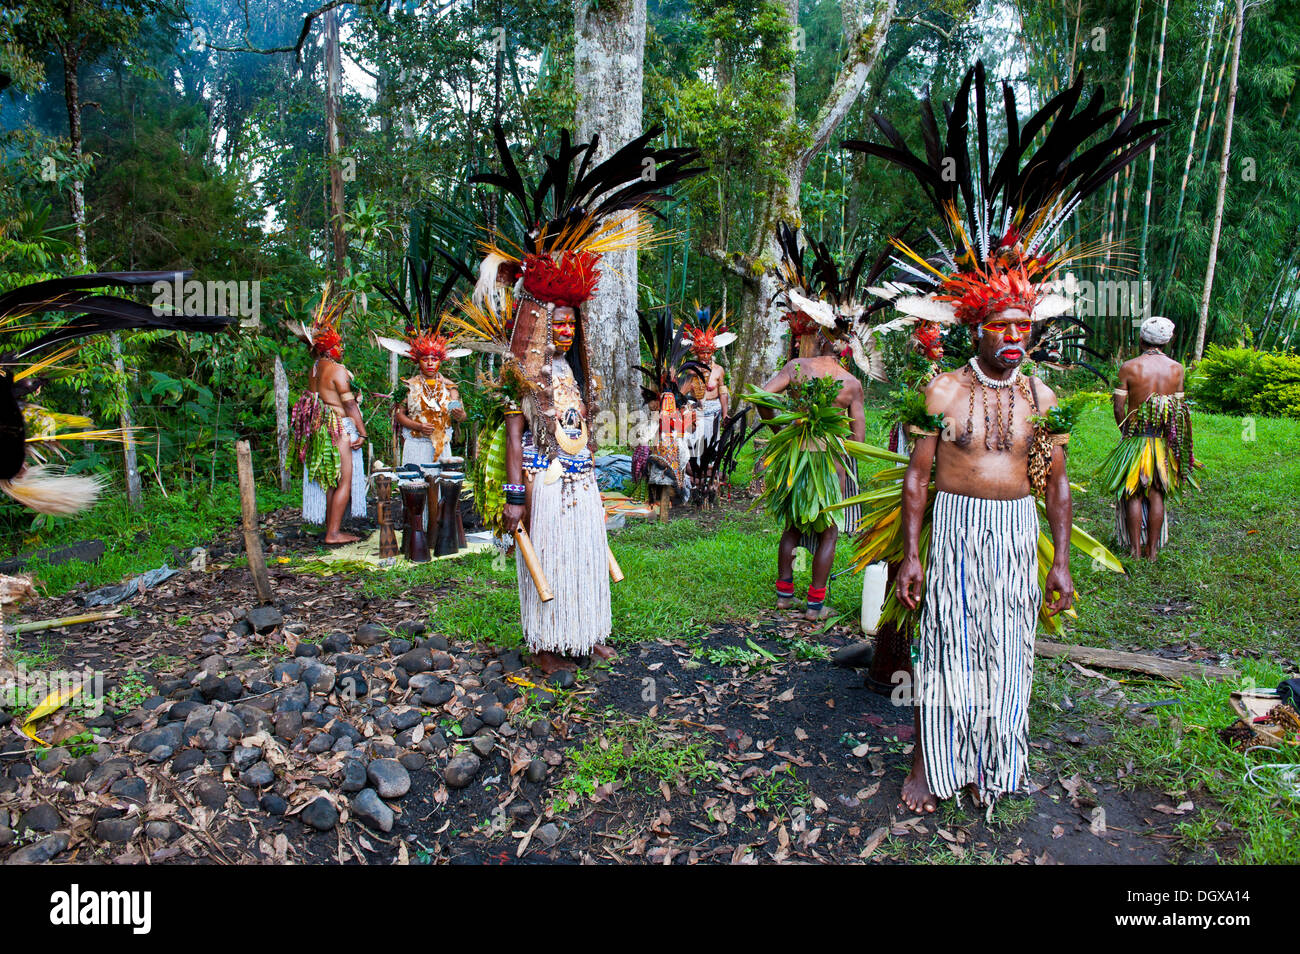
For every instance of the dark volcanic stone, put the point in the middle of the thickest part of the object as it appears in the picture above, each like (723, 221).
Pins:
(246, 797)
(263, 619)
(442, 661)
(511, 660)
(336, 642)
(353, 683)
(210, 685)
(41, 852)
(320, 814)
(494, 716)
(413, 761)
(438, 694)
(169, 734)
(180, 711)
(354, 775)
(536, 770)
(134, 789)
(368, 806)
(855, 655)
(563, 680)
(189, 759)
(306, 651)
(369, 634)
(42, 817)
(346, 730)
(399, 646)
(320, 743)
(406, 719)
(294, 698)
(79, 770)
(461, 770)
(259, 775)
(273, 804)
(417, 660)
(411, 628)
(470, 724)
(231, 689)
(436, 642)
(210, 792)
(482, 744)
(286, 670)
(117, 830)
(242, 628)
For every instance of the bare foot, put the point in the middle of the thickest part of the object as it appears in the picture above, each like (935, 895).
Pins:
(550, 663)
(601, 651)
(784, 602)
(336, 538)
(916, 790)
(824, 613)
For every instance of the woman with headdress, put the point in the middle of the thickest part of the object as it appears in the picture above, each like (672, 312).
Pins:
(327, 426)
(579, 212)
(426, 404)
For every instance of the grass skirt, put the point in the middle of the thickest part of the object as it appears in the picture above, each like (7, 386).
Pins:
(568, 533)
(976, 663)
(313, 496)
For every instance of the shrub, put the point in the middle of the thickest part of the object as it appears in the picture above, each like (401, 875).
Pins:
(1246, 381)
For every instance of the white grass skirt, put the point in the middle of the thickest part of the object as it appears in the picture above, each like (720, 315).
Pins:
(568, 533)
(313, 497)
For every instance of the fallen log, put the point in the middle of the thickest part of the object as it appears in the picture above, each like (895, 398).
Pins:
(1136, 662)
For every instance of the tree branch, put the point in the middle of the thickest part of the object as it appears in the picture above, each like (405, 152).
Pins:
(296, 49)
(864, 48)
(739, 264)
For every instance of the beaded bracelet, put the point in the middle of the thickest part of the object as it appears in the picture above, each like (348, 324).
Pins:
(517, 488)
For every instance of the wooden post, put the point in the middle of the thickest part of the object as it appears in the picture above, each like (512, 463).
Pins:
(252, 539)
(384, 514)
(282, 423)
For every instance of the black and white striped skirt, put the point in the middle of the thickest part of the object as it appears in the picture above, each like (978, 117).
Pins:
(976, 663)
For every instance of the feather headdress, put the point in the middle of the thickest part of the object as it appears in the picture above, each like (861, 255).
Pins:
(554, 231)
(1003, 214)
(325, 336)
(31, 434)
(819, 296)
(423, 335)
(709, 333)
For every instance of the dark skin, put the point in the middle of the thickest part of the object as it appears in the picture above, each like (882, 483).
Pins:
(1150, 373)
(824, 364)
(563, 330)
(333, 383)
(974, 471)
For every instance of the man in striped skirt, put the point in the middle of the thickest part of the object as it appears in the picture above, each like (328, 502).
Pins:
(981, 590)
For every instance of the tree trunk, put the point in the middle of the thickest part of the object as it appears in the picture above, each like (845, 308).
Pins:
(760, 349)
(1151, 155)
(1223, 184)
(77, 209)
(608, 71)
(333, 78)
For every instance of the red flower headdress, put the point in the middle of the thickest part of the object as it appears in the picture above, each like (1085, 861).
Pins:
(324, 337)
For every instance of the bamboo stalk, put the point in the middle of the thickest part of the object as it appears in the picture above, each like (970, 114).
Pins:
(615, 571)
(1151, 155)
(36, 626)
(534, 565)
(1191, 144)
(1203, 320)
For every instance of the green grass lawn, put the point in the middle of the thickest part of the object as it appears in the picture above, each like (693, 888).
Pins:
(1229, 582)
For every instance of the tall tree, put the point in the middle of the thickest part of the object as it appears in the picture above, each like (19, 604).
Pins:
(792, 146)
(608, 62)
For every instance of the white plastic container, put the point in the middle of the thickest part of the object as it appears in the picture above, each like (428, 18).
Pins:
(875, 580)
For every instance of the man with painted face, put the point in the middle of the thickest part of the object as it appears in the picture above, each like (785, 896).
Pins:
(981, 592)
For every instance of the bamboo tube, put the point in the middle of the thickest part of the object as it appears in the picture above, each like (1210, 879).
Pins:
(42, 624)
(615, 571)
(534, 565)
(248, 505)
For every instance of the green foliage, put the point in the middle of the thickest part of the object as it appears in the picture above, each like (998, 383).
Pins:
(909, 404)
(1246, 381)
(642, 752)
(800, 481)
